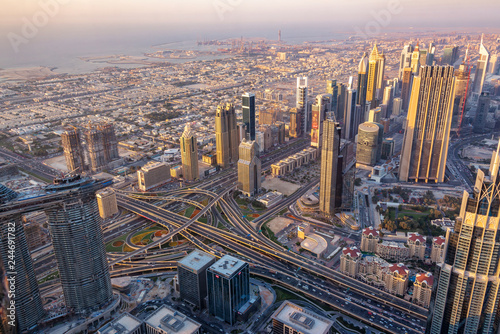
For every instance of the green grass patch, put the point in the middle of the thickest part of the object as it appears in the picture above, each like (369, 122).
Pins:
(221, 226)
(110, 248)
(189, 211)
(203, 220)
(49, 277)
(350, 326)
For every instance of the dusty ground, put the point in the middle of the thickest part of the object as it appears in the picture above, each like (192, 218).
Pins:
(274, 183)
(26, 73)
(58, 162)
(476, 153)
(278, 224)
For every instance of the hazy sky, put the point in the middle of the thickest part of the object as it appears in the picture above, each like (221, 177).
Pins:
(86, 22)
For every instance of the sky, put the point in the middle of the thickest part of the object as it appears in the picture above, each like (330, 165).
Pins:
(30, 25)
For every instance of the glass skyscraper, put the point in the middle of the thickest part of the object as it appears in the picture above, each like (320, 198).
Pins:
(248, 108)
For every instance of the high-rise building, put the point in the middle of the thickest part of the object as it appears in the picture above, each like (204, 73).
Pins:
(301, 103)
(460, 98)
(167, 320)
(373, 75)
(362, 80)
(494, 66)
(438, 249)
(388, 99)
(249, 168)
(415, 60)
(483, 106)
(291, 319)
(79, 249)
(431, 54)
(295, 128)
(352, 114)
(332, 89)
(226, 135)
(248, 109)
(73, 150)
(450, 55)
(106, 201)
(369, 147)
(192, 274)
(380, 79)
(405, 59)
(102, 145)
(152, 175)
(28, 307)
(467, 294)
(228, 282)
(406, 87)
(422, 289)
(319, 110)
(397, 106)
(349, 261)
(427, 134)
(189, 154)
(341, 98)
(481, 66)
(330, 197)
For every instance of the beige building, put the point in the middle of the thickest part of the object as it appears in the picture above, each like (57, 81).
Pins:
(330, 184)
(189, 154)
(349, 261)
(416, 244)
(226, 135)
(249, 168)
(394, 251)
(152, 175)
(396, 279)
(369, 240)
(289, 164)
(166, 320)
(422, 289)
(437, 252)
(106, 200)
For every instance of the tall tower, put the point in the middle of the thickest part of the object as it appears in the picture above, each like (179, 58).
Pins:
(332, 89)
(248, 108)
(362, 80)
(319, 110)
(18, 265)
(341, 98)
(73, 150)
(467, 294)
(249, 168)
(405, 60)
(406, 87)
(226, 135)
(189, 154)
(483, 106)
(330, 191)
(75, 228)
(102, 145)
(460, 99)
(295, 129)
(380, 78)
(352, 114)
(109, 141)
(427, 134)
(302, 102)
(373, 76)
(415, 60)
(481, 66)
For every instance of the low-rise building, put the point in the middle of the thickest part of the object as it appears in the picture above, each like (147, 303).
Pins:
(271, 198)
(394, 251)
(291, 318)
(106, 201)
(422, 289)
(416, 244)
(152, 175)
(289, 164)
(349, 261)
(369, 240)
(124, 324)
(444, 223)
(166, 320)
(437, 252)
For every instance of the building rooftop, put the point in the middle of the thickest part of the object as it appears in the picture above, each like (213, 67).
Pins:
(416, 237)
(370, 230)
(152, 165)
(227, 266)
(171, 321)
(305, 321)
(400, 268)
(196, 260)
(314, 243)
(439, 240)
(426, 278)
(353, 252)
(124, 324)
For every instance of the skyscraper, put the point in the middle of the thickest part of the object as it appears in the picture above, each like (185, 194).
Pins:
(248, 108)
(425, 144)
(75, 228)
(295, 128)
(330, 196)
(332, 89)
(102, 145)
(73, 150)
(406, 87)
(369, 148)
(450, 55)
(388, 99)
(362, 80)
(301, 103)
(319, 111)
(494, 66)
(415, 60)
(482, 64)
(483, 106)
(460, 98)
(467, 294)
(341, 97)
(352, 114)
(373, 76)
(189, 154)
(17, 262)
(192, 273)
(226, 135)
(228, 282)
(249, 168)
(380, 79)
(405, 60)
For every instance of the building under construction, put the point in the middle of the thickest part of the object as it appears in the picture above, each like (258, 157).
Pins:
(102, 145)
(73, 150)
